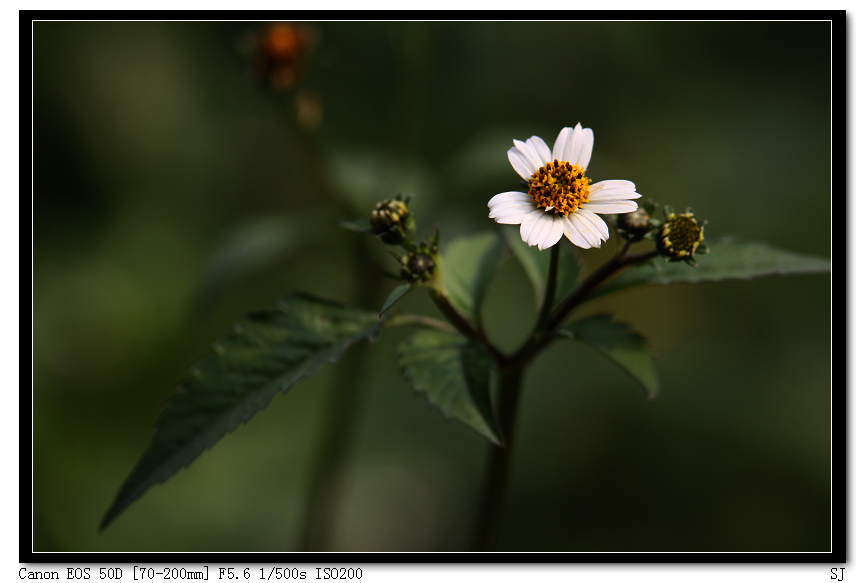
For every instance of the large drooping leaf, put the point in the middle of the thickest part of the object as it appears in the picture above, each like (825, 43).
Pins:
(454, 373)
(727, 259)
(268, 352)
(619, 343)
(467, 268)
(537, 266)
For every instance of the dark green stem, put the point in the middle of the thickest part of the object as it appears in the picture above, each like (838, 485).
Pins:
(552, 282)
(510, 372)
(582, 293)
(489, 517)
(543, 335)
(464, 326)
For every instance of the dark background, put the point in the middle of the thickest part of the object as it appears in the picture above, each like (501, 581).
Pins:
(174, 192)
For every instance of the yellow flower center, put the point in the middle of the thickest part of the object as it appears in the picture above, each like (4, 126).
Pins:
(559, 187)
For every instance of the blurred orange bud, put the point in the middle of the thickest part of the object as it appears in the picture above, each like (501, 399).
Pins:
(282, 48)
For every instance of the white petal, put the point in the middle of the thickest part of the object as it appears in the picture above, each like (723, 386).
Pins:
(613, 196)
(516, 219)
(608, 190)
(509, 212)
(612, 184)
(541, 148)
(529, 223)
(512, 196)
(586, 229)
(600, 225)
(588, 139)
(573, 234)
(519, 163)
(529, 154)
(509, 205)
(611, 208)
(559, 146)
(541, 229)
(513, 218)
(529, 159)
(572, 146)
(554, 234)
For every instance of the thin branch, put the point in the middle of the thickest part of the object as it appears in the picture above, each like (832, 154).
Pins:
(464, 326)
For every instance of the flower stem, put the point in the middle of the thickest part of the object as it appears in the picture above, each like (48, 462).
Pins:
(461, 324)
(498, 461)
(510, 373)
(582, 293)
(552, 282)
(510, 383)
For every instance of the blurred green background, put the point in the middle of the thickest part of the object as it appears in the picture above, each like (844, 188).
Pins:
(175, 192)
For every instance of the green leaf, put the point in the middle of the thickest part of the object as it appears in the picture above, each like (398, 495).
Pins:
(268, 352)
(537, 266)
(619, 343)
(467, 267)
(727, 259)
(398, 292)
(455, 375)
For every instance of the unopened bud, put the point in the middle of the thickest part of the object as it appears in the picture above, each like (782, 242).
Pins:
(387, 214)
(417, 266)
(634, 225)
(679, 237)
(392, 221)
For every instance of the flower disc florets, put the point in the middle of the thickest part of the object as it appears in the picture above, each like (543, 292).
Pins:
(560, 187)
(680, 236)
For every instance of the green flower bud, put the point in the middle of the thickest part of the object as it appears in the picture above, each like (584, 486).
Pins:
(634, 225)
(392, 221)
(679, 237)
(417, 266)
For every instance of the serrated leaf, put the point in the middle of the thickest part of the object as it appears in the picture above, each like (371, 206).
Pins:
(727, 259)
(454, 374)
(268, 352)
(621, 344)
(398, 292)
(537, 267)
(467, 267)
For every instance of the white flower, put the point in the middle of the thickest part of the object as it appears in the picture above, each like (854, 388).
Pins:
(560, 200)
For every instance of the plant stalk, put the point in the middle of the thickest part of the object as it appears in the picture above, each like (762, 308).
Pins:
(462, 325)
(510, 378)
(552, 283)
(511, 369)
(597, 277)
(489, 517)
